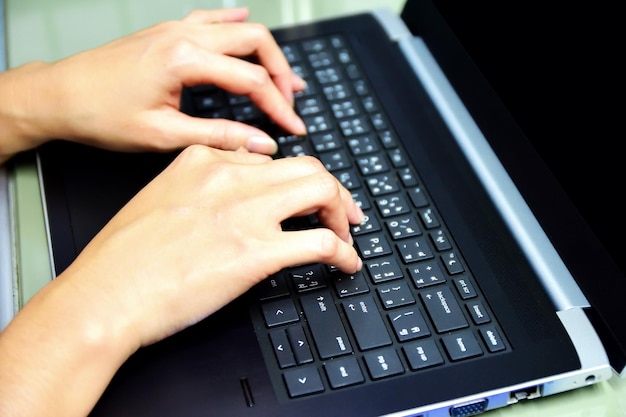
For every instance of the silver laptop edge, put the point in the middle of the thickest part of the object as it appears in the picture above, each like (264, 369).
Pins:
(7, 293)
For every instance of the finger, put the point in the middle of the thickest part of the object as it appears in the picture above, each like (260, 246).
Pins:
(241, 77)
(206, 155)
(239, 14)
(315, 194)
(180, 130)
(315, 245)
(307, 166)
(246, 39)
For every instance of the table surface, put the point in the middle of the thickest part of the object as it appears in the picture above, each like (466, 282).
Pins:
(52, 29)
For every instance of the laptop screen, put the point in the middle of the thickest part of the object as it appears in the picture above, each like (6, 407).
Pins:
(556, 68)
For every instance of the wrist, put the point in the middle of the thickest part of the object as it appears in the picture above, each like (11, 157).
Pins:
(19, 102)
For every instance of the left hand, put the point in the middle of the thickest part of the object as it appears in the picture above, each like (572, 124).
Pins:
(125, 95)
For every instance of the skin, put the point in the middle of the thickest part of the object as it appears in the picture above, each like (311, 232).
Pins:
(134, 104)
(179, 245)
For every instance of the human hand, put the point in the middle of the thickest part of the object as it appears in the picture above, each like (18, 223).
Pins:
(203, 232)
(206, 230)
(125, 95)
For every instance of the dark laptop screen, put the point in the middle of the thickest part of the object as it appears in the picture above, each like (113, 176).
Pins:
(555, 66)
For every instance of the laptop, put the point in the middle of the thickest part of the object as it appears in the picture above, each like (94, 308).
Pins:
(491, 275)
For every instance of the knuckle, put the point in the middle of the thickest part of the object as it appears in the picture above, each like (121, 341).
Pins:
(328, 186)
(259, 77)
(194, 154)
(311, 164)
(259, 31)
(328, 244)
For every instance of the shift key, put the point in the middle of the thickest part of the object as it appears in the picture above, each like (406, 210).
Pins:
(326, 327)
(443, 309)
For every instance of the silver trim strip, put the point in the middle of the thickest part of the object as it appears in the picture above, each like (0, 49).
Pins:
(8, 298)
(7, 295)
(3, 37)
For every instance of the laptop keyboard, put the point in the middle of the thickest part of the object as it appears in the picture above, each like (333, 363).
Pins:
(415, 305)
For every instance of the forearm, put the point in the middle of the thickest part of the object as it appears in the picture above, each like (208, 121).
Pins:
(59, 354)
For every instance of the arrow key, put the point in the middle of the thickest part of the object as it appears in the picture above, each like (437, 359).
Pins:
(303, 381)
(299, 344)
(282, 350)
(279, 311)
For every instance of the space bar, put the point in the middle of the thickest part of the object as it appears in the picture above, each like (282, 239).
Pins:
(326, 327)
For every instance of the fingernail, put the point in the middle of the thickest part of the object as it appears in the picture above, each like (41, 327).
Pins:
(298, 82)
(262, 144)
(360, 213)
(299, 126)
(359, 264)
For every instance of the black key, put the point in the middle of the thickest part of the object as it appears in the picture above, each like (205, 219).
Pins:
(429, 219)
(363, 145)
(417, 196)
(290, 150)
(440, 240)
(373, 245)
(443, 309)
(299, 344)
(426, 273)
(414, 250)
(396, 294)
(385, 269)
(465, 288)
(326, 141)
(326, 327)
(318, 123)
(335, 160)
(274, 286)
(452, 263)
(345, 108)
(402, 227)
(396, 156)
(422, 354)
(309, 105)
(354, 126)
(369, 224)
(282, 348)
(393, 205)
(348, 285)
(367, 324)
(309, 277)
(303, 381)
(461, 345)
(478, 312)
(492, 339)
(382, 184)
(348, 179)
(383, 363)
(409, 324)
(372, 164)
(279, 311)
(343, 372)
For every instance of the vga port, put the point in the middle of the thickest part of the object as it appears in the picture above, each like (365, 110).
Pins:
(469, 409)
